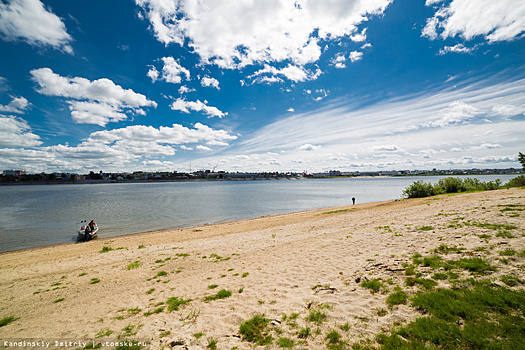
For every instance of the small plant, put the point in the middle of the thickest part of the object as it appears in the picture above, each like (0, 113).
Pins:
(255, 330)
(374, 285)
(174, 303)
(303, 333)
(94, 281)
(425, 228)
(508, 252)
(245, 274)
(133, 265)
(316, 316)
(161, 273)
(345, 327)
(212, 344)
(286, 343)
(220, 295)
(155, 311)
(106, 249)
(106, 332)
(150, 291)
(213, 286)
(59, 300)
(198, 335)
(7, 320)
(82, 274)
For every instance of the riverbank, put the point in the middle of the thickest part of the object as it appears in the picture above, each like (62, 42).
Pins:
(290, 264)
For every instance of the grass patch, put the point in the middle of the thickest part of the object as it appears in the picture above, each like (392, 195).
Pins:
(398, 297)
(161, 273)
(316, 316)
(475, 265)
(94, 281)
(508, 252)
(223, 293)
(511, 281)
(477, 316)
(7, 320)
(106, 249)
(174, 303)
(425, 228)
(255, 330)
(155, 311)
(374, 285)
(424, 282)
(505, 234)
(212, 344)
(335, 211)
(59, 300)
(213, 286)
(133, 265)
(286, 343)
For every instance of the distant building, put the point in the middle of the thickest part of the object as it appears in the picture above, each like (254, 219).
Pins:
(14, 172)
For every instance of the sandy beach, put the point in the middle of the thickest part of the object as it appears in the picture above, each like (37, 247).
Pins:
(278, 265)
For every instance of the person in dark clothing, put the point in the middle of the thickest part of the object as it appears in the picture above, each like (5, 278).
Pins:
(353, 200)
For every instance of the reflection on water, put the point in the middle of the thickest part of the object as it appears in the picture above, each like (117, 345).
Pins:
(33, 216)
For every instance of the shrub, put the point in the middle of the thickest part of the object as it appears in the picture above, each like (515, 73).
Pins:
(419, 189)
(374, 285)
(518, 181)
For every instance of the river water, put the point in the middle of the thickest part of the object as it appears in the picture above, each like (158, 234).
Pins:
(41, 215)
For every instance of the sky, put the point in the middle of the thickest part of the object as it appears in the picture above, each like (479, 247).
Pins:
(273, 85)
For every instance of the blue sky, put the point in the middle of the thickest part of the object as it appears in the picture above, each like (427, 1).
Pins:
(274, 85)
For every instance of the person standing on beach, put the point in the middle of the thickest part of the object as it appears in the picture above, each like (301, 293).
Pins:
(353, 200)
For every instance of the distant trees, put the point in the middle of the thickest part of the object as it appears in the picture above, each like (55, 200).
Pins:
(521, 159)
(420, 189)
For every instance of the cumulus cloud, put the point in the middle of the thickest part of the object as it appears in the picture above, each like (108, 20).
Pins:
(91, 102)
(17, 105)
(458, 48)
(30, 21)
(494, 20)
(172, 71)
(182, 105)
(356, 56)
(15, 132)
(207, 81)
(308, 147)
(290, 72)
(237, 33)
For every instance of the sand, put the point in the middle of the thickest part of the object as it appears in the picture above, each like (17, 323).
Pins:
(283, 264)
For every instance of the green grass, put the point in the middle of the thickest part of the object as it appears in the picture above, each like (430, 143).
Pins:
(150, 291)
(220, 295)
(425, 228)
(477, 316)
(59, 300)
(245, 274)
(94, 281)
(374, 285)
(335, 211)
(316, 316)
(495, 226)
(256, 330)
(213, 286)
(508, 252)
(475, 265)
(303, 333)
(106, 249)
(286, 343)
(155, 311)
(424, 282)
(7, 320)
(511, 281)
(398, 297)
(212, 344)
(133, 265)
(161, 273)
(174, 303)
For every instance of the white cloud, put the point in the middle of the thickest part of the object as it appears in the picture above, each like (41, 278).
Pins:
(203, 148)
(339, 61)
(184, 89)
(207, 81)
(185, 106)
(356, 56)
(290, 72)
(30, 21)
(172, 71)
(458, 48)
(308, 147)
(93, 102)
(15, 132)
(291, 110)
(237, 33)
(502, 20)
(17, 105)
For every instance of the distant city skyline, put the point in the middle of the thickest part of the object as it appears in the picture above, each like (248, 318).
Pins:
(237, 85)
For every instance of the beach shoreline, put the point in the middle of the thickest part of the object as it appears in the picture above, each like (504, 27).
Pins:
(272, 265)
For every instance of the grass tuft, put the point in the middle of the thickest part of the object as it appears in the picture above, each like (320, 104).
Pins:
(174, 303)
(223, 293)
(255, 330)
